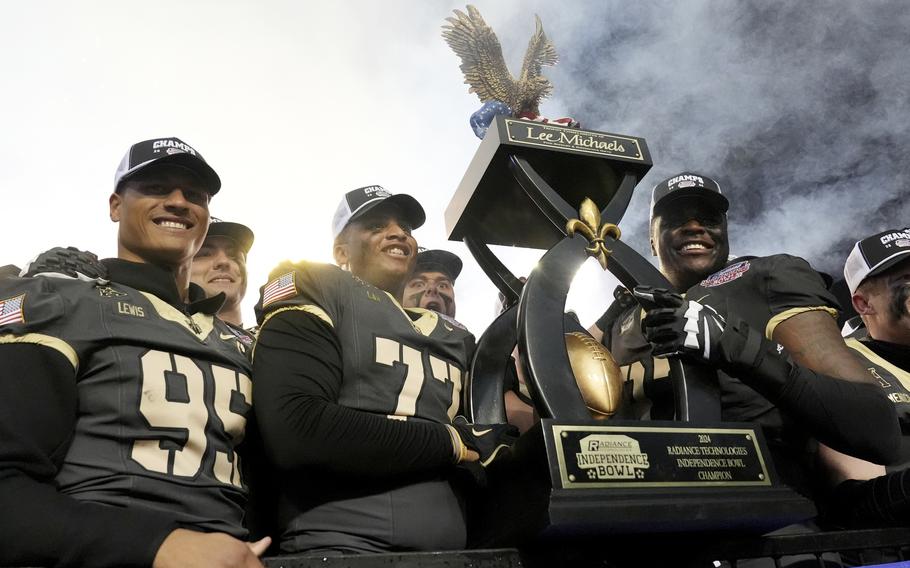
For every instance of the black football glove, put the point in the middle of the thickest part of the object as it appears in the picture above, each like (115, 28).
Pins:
(702, 334)
(488, 440)
(68, 262)
(682, 327)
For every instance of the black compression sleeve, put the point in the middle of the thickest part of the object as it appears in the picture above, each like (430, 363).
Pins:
(40, 526)
(851, 417)
(880, 502)
(297, 370)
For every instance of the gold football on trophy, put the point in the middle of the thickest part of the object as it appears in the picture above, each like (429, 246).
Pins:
(596, 373)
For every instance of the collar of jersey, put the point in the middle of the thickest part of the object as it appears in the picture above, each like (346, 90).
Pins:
(160, 282)
(894, 353)
(426, 319)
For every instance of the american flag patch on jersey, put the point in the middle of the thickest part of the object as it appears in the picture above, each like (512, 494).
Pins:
(279, 289)
(11, 310)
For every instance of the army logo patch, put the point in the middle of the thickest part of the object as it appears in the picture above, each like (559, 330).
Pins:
(11, 310)
(450, 320)
(727, 275)
(108, 292)
(239, 336)
(278, 289)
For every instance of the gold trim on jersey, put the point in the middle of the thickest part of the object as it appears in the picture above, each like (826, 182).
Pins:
(900, 374)
(787, 314)
(306, 308)
(46, 340)
(427, 321)
(200, 325)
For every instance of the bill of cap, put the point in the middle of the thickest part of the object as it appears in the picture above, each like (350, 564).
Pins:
(718, 200)
(438, 260)
(240, 234)
(410, 208)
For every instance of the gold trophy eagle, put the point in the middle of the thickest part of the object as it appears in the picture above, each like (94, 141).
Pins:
(486, 72)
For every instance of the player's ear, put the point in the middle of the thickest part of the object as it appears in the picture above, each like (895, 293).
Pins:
(340, 252)
(861, 304)
(115, 202)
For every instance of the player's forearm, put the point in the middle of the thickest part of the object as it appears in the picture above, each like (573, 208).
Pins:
(813, 340)
(850, 416)
(298, 377)
(313, 433)
(41, 527)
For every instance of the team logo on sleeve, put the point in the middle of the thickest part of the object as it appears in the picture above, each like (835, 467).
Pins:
(728, 274)
(11, 310)
(279, 289)
(450, 320)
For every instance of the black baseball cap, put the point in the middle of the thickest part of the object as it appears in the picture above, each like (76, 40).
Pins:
(688, 184)
(240, 234)
(438, 260)
(357, 202)
(873, 255)
(166, 151)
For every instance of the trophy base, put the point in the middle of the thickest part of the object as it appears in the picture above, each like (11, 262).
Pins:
(540, 492)
(691, 510)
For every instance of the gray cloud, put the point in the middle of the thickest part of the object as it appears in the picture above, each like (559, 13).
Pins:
(800, 110)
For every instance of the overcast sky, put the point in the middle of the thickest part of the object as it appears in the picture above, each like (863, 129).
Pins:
(800, 110)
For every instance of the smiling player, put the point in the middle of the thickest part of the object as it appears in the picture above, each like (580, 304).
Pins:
(355, 395)
(220, 266)
(121, 400)
(787, 305)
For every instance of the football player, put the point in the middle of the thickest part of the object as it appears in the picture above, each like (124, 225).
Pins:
(220, 266)
(877, 272)
(355, 395)
(770, 301)
(432, 285)
(122, 399)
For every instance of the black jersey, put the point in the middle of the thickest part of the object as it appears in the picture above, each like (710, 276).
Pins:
(895, 380)
(764, 291)
(395, 378)
(163, 394)
(402, 363)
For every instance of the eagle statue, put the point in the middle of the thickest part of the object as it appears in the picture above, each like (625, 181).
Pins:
(486, 72)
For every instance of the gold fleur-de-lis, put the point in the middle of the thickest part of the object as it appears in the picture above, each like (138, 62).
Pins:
(590, 228)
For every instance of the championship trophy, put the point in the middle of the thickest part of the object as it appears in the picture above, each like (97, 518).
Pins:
(549, 184)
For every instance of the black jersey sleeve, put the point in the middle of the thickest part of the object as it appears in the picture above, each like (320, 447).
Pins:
(883, 501)
(793, 287)
(297, 363)
(40, 526)
(851, 417)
